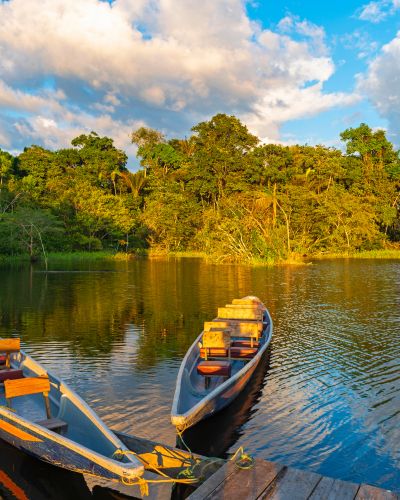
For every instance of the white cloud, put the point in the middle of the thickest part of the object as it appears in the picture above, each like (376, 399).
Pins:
(381, 84)
(151, 61)
(378, 11)
(360, 41)
(316, 34)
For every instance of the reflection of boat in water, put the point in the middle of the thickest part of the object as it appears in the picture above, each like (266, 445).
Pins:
(221, 361)
(23, 477)
(214, 436)
(43, 417)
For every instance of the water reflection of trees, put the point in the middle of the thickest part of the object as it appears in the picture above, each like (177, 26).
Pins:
(164, 301)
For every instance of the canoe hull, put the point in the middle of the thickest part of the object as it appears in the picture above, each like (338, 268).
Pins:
(223, 399)
(80, 441)
(51, 449)
(222, 395)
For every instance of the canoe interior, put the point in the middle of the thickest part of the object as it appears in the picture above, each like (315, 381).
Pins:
(64, 405)
(193, 385)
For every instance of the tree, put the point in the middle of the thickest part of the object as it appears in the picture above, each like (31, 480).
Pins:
(222, 146)
(100, 160)
(7, 164)
(30, 230)
(373, 148)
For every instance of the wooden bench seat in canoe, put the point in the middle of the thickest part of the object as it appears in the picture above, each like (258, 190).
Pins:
(243, 352)
(34, 385)
(54, 424)
(252, 313)
(213, 352)
(245, 343)
(238, 328)
(214, 368)
(235, 352)
(247, 301)
(7, 347)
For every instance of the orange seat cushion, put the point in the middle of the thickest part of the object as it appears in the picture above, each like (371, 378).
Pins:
(243, 352)
(245, 343)
(209, 368)
(213, 352)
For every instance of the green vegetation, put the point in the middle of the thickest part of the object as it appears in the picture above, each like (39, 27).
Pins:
(219, 193)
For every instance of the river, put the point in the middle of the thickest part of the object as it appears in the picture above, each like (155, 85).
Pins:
(326, 400)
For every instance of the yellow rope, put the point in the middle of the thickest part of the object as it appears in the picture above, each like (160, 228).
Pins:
(142, 482)
(245, 461)
(187, 476)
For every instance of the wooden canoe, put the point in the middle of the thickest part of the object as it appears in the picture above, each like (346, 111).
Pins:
(42, 416)
(210, 378)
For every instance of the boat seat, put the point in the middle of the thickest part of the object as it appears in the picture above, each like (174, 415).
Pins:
(245, 343)
(214, 368)
(215, 343)
(10, 374)
(243, 352)
(54, 424)
(7, 347)
(234, 352)
(26, 387)
(213, 352)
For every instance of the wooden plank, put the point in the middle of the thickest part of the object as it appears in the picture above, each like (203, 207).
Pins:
(334, 489)
(254, 307)
(10, 345)
(24, 386)
(231, 313)
(213, 482)
(247, 484)
(292, 484)
(237, 326)
(367, 492)
(254, 300)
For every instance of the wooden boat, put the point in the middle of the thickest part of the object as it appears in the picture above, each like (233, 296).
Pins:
(42, 416)
(221, 361)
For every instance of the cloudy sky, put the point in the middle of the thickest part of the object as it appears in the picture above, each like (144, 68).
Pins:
(298, 73)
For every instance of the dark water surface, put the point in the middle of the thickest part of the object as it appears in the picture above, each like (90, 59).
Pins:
(327, 399)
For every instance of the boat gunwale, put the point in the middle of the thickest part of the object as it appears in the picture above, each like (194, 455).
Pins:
(180, 418)
(123, 469)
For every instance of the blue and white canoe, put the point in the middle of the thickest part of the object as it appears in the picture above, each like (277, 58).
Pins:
(221, 361)
(43, 417)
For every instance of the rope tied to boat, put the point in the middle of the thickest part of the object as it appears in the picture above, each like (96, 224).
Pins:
(244, 461)
(143, 483)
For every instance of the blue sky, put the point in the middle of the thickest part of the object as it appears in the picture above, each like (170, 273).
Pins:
(298, 72)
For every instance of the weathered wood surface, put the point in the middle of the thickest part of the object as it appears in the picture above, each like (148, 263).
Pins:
(247, 484)
(9, 345)
(25, 386)
(292, 483)
(270, 481)
(367, 492)
(332, 489)
(214, 481)
(232, 313)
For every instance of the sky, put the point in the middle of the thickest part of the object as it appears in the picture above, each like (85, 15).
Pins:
(298, 72)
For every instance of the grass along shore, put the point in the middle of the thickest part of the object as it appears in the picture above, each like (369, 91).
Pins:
(54, 257)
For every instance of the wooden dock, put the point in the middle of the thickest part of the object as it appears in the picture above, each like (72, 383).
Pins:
(268, 480)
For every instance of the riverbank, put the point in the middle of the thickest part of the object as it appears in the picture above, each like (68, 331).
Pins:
(152, 254)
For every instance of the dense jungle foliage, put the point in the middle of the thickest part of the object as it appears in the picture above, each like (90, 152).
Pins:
(220, 192)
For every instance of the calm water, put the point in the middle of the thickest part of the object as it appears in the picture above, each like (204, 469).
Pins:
(327, 399)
